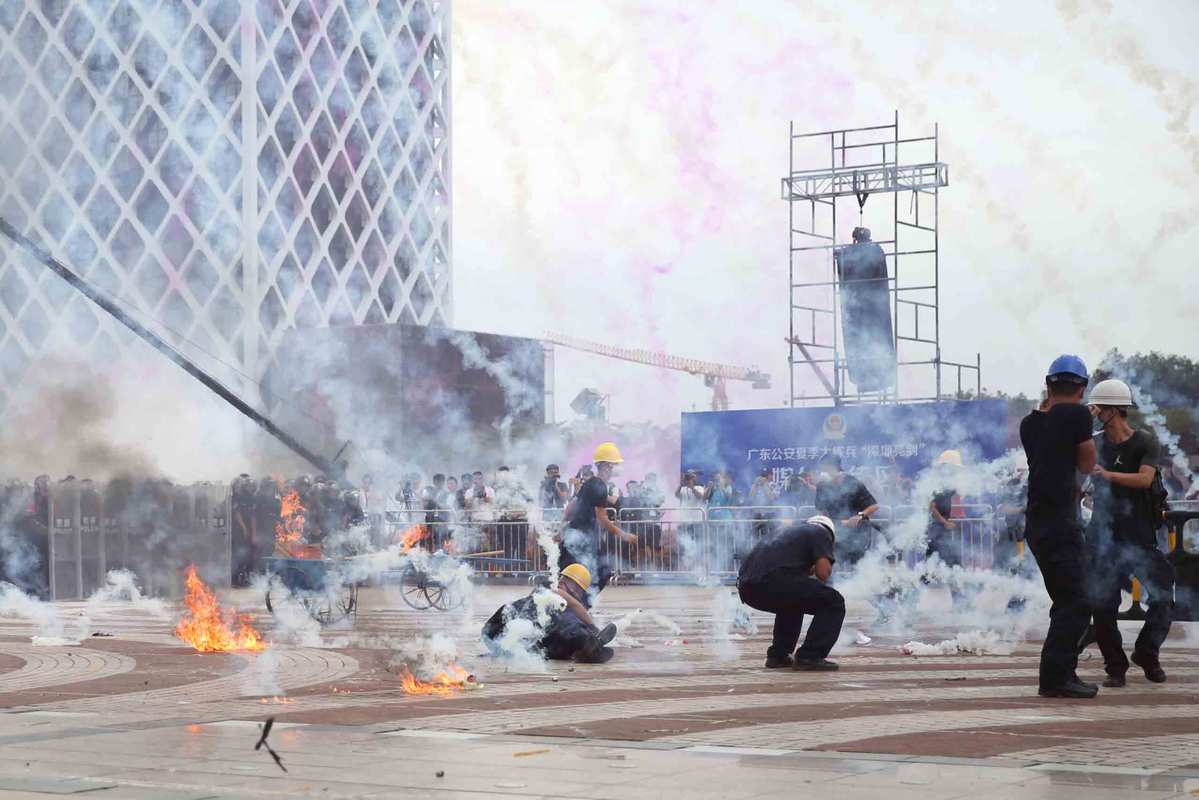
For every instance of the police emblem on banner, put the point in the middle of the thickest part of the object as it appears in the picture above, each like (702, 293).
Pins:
(834, 427)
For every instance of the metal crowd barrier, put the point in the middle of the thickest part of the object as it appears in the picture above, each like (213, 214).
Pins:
(152, 530)
(732, 531)
(974, 536)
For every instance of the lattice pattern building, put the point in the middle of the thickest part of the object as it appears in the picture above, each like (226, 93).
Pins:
(229, 168)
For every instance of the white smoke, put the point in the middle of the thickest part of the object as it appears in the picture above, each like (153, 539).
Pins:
(427, 656)
(120, 586)
(731, 621)
(51, 630)
(262, 675)
(975, 643)
(624, 625)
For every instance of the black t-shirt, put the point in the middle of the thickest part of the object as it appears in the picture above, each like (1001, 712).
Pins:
(1119, 510)
(592, 494)
(943, 502)
(796, 547)
(1051, 439)
(842, 498)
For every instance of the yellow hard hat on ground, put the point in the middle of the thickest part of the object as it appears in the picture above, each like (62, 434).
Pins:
(607, 453)
(953, 457)
(579, 574)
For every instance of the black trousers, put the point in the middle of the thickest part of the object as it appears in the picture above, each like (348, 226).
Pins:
(1058, 546)
(1113, 564)
(789, 595)
(579, 547)
(566, 637)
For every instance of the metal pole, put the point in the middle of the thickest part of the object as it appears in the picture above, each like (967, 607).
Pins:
(896, 250)
(937, 255)
(837, 386)
(791, 265)
(161, 346)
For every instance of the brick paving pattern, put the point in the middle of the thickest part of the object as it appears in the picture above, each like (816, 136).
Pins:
(688, 692)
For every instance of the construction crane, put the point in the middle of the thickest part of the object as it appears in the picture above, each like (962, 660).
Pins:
(714, 375)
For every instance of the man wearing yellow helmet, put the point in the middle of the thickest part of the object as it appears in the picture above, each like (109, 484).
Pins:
(553, 623)
(587, 515)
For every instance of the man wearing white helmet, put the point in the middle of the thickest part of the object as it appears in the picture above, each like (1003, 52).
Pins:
(787, 574)
(1122, 536)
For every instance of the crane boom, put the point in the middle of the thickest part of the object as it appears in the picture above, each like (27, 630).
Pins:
(694, 366)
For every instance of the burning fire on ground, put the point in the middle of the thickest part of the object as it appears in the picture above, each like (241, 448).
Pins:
(447, 683)
(208, 628)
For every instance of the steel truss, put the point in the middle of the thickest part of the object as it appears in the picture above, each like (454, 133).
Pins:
(862, 162)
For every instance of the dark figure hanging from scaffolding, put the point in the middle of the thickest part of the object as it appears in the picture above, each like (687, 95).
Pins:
(866, 313)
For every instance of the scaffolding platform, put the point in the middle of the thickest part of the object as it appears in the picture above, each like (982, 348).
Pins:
(860, 163)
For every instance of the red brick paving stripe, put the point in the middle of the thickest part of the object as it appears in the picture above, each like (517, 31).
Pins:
(795, 693)
(158, 667)
(641, 728)
(1001, 739)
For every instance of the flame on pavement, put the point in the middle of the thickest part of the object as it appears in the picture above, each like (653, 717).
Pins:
(209, 629)
(451, 681)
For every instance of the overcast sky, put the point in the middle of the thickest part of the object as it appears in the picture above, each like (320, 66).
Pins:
(617, 165)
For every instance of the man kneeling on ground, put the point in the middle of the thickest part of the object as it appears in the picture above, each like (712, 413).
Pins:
(566, 630)
(787, 575)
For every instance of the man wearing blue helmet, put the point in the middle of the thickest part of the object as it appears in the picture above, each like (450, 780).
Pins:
(1057, 441)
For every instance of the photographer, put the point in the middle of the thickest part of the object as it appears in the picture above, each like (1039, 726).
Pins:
(584, 474)
(691, 495)
(553, 494)
(479, 497)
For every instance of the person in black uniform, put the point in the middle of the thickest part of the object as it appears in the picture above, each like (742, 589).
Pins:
(587, 514)
(1122, 536)
(787, 574)
(846, 500)
(1057, 441)
(570, 635)
(941, 531)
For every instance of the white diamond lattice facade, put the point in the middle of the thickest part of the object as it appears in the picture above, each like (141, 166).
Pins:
(227, 169)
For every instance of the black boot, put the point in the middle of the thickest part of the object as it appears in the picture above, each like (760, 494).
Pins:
(1153, 669)
(1072, 689)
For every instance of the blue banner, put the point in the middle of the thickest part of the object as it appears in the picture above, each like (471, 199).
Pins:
(879, 441)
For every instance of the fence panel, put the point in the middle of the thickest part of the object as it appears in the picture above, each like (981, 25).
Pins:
(732, 531)
(670, 543)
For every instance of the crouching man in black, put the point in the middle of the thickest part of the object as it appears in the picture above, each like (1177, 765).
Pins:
(569, 635)
(787, 575)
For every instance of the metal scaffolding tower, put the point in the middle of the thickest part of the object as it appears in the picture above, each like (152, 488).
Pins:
(861, 163)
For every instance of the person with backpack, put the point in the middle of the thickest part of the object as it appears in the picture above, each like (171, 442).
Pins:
(1122, 535)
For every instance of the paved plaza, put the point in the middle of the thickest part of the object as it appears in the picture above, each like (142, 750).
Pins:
(678, 713)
